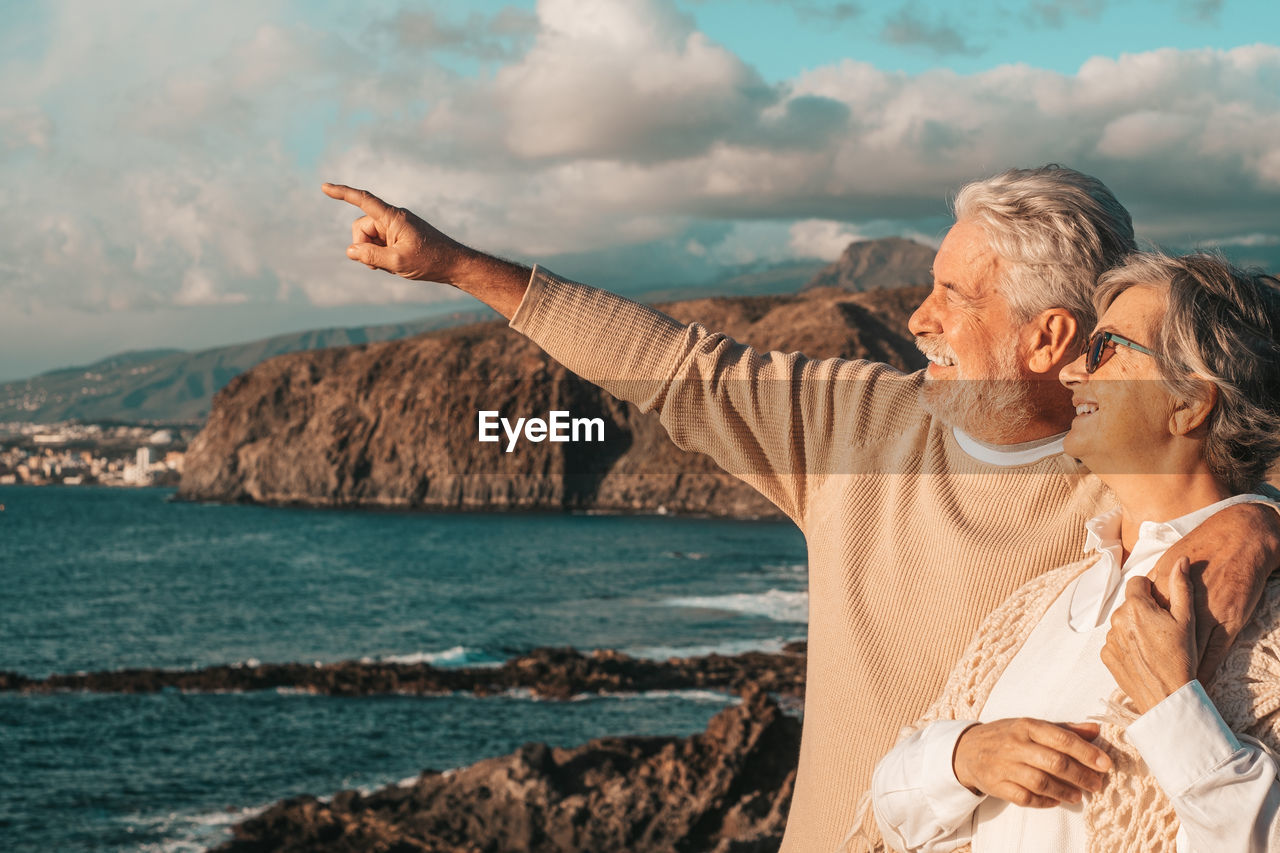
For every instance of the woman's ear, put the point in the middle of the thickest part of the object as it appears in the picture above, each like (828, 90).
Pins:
(1189, 415)
(1049, 339)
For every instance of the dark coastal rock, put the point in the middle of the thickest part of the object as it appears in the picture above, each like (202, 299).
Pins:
(547, 673)
(394, 424)
(725, 790)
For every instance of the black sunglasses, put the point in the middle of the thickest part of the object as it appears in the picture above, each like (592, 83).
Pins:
(1102, 344)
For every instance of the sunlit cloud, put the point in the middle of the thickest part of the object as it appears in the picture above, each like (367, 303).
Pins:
(186, 172)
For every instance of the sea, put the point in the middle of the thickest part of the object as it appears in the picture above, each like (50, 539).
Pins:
(95, 578)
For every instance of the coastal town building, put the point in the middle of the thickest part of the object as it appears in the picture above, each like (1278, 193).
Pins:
(74, 454)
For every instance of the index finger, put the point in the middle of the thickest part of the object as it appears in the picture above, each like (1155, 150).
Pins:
(1068, 742)
(363, 199)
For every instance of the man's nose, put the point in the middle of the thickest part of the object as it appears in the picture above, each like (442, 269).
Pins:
(924, 320)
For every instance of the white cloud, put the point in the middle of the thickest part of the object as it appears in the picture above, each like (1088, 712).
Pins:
(822, 238)
(191, 172)
(890, 145)
(29, 128)
(198, 288)
(632, 79)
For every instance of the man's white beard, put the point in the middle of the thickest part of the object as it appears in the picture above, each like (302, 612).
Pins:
(991, 409)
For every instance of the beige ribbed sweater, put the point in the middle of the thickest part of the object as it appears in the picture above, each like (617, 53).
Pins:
(911, 541)
(1131, 814)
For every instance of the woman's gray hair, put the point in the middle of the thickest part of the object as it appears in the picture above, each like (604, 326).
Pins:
(1222, 326)
(1057, 230)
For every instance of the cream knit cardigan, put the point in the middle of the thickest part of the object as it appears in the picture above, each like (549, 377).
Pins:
(1130, 813)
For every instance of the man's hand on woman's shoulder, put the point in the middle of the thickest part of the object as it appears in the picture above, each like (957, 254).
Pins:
(1232, 554)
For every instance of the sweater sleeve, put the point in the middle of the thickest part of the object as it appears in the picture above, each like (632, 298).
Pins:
(771, 419)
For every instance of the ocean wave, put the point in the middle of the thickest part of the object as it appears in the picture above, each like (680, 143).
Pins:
(692, 694)
(788, 568)
(373, 788)
(192, 832)
(457, 656)
(727, 648)
(777, 604)
(715, 697)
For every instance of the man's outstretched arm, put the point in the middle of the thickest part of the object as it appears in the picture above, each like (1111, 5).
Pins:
(771, 419)
(398, 241)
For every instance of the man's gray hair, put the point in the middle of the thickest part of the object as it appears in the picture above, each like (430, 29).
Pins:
(1222, 326)
(1056, 230)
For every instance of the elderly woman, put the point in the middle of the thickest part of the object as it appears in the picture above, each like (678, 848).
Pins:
(1178, 410)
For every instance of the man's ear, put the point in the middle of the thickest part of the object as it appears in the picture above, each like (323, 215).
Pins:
(1050, 338)
(1189, 415)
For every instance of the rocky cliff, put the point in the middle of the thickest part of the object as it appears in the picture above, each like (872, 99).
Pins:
(394, 424)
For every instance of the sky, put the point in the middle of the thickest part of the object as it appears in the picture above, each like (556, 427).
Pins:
(161, 161)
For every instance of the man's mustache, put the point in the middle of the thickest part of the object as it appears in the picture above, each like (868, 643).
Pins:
(933, 346)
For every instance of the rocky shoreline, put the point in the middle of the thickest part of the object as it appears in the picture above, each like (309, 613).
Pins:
(548, 673)
(726, 789)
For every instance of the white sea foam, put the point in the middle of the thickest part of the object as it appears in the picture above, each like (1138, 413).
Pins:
(374, 787)
(777, 604)
(714, 697)
(297, 691)
(192, 832)
(727, 648)
(457, 656)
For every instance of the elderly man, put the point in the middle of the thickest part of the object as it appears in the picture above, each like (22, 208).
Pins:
(925, 499)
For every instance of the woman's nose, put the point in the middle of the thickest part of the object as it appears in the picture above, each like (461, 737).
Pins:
(1074, 373)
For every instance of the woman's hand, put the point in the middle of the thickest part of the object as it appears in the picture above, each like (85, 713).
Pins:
(1031, 762)
(1152, 651)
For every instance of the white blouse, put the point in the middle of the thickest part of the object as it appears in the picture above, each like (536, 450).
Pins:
(1225, 793)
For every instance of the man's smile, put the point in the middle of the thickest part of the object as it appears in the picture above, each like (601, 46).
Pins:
(941, 356)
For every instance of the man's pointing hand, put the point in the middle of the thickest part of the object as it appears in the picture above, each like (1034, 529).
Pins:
(397, 241)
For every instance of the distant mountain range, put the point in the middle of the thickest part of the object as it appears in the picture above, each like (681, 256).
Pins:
(175, 386)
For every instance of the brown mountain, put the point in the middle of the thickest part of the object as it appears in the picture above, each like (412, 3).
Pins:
(395, 424)
(870, 264)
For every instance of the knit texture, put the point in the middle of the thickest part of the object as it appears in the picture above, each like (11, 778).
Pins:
(1131, 814)
(911, 541)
